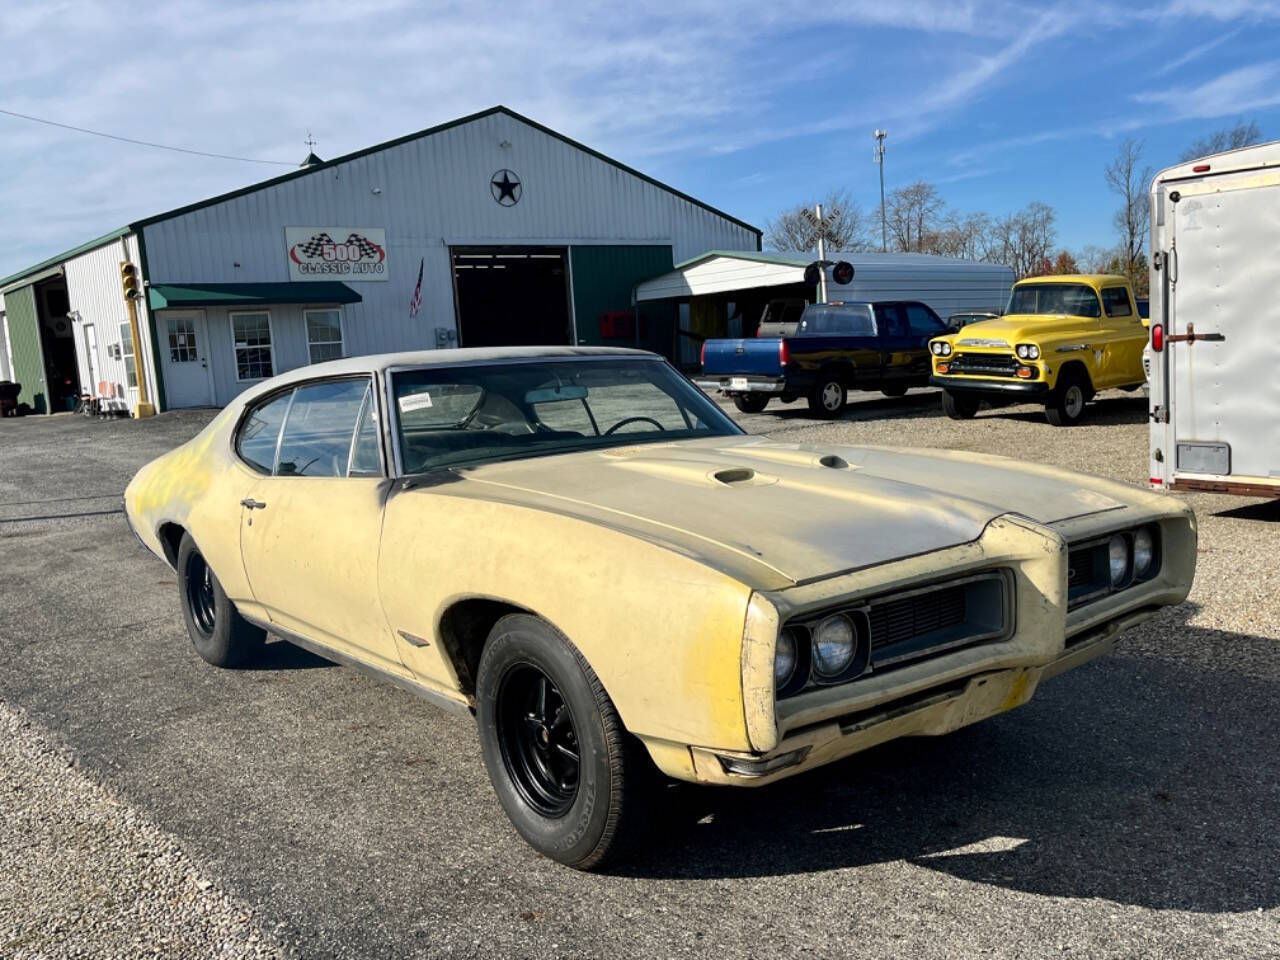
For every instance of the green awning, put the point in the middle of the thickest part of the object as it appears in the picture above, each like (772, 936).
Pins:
(176, 296)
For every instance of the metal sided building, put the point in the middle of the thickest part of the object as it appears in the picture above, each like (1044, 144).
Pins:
(487, 230)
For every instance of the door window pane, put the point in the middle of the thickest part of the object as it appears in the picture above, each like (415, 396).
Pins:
(892, 321)
(1116, 300)
(324, 335)
(322, 421)
(251, 334)
(182, 339)
(259, 431)
(922, 322)
(126, 354)
(364, 456)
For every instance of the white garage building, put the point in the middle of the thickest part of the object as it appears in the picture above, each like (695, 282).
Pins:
(491, 229)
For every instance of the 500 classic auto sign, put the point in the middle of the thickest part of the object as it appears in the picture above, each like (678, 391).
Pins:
(337, 253)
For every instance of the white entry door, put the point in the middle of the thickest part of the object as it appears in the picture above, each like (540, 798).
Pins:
(184, 352)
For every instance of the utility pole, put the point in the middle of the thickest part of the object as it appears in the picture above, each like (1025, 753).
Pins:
(879, 136)
(822, 254)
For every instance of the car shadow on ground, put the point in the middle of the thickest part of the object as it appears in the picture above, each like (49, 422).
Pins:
(1268, 511)
(281, 655)
(1105, 412)
(1147, 778)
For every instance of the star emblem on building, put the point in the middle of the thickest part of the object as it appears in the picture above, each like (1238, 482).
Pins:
(506, 188)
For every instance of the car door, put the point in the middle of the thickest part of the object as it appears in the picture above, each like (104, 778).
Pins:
(1123, 337)
(895, 345)
(922, 326)
(311, 525)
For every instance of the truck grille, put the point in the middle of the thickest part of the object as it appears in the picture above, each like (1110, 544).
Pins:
(989, 365)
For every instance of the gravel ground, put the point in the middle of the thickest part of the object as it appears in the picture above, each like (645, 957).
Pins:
(1128, 811)
(83, 874)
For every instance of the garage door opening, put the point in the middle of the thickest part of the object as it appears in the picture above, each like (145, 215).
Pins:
(512, 296)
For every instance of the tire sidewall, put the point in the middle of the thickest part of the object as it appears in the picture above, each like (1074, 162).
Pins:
(218, 647)
(816, 403)
(524, 640)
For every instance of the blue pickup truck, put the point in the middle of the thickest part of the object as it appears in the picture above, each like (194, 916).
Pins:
(837, 347)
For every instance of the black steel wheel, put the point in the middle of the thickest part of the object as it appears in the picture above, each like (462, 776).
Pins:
(538, 740)
(220, 635)
(572, 781)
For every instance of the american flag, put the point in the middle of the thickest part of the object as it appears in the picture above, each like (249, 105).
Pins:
(415, 302)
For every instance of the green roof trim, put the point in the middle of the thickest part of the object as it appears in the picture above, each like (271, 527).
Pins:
(429, 131)
(178, 296)
(67, 255)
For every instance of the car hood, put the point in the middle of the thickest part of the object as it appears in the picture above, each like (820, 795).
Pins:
(790, 513)
(1019, 328)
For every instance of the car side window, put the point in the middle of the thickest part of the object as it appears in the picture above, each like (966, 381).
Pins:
(365, 461)
(891, 321)
(923, 322)
(1116, 302)
(259, 432)
(319, 429)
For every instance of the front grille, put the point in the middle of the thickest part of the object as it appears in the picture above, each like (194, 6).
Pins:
(1088, 573)
(901, 620)
(986, 364)
(910, 625)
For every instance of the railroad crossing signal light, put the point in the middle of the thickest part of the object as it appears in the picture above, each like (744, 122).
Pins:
(129, 283)
(842, 272)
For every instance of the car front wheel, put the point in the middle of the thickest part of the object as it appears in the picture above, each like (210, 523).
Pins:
(957, 406)
(567, 774)
(220, 635)
(1067, 405)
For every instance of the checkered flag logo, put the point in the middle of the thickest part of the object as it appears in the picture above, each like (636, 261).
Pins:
(367, 247)
(315, 246)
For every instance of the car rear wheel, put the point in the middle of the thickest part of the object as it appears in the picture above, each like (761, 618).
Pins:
(828, 396)
(958, 406)
(569, 777)
(1067, 405)
(220, 635)
(750, 402)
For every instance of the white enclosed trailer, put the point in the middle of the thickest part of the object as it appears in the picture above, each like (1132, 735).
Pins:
(1215, 324)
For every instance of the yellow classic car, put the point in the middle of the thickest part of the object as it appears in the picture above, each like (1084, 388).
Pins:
(1062, 340)
(579, 548)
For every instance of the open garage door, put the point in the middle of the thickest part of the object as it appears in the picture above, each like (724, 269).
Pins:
(511, 296)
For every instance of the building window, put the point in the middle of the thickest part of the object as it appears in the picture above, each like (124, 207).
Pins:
(324, 335)
(126, 354)
(251, 336)
(182, 340)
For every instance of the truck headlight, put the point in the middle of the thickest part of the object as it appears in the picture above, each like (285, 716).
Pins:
(834, 642)
(946, 349)
(1028, 351)
(935, 347)
(1118, 555)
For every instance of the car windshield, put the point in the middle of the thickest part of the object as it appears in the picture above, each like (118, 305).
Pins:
(469, 415)
(1072, 299)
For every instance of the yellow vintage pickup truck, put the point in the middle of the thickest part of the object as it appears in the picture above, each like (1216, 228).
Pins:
(1062, 340)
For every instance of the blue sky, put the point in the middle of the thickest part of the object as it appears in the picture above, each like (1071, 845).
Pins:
(752, 108)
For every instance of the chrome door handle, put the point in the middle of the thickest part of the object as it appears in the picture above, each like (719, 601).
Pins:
(253, 504)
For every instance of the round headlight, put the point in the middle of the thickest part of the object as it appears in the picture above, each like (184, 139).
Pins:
(1022, 351)
(1144, 552)
(784, 658)
(936, 347)
(946, 348)
(1033, 352)
(1118, 554)
(833, 646)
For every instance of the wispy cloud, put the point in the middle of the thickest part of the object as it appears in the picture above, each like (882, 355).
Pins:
(1196, 52)
(1245, 88)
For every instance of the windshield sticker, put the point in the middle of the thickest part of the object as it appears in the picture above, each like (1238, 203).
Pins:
(415, 401)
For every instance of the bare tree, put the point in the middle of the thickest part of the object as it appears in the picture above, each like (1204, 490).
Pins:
(914, 213)
(1022, 240)
(1127, 177)
(1241, 135)
(845, 224)
(1095, 259)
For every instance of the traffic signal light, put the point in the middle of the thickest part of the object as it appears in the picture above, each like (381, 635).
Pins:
(129, 283)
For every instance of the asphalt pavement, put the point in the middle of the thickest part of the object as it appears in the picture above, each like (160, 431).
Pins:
(1129, 810)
